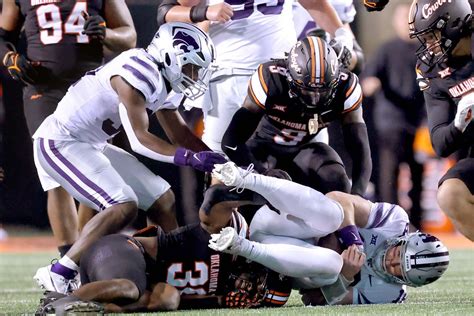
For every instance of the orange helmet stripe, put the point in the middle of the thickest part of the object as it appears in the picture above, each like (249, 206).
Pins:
(312, 59)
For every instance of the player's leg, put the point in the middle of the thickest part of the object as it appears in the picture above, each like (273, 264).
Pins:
(40, 102)
(298, 202)
(455, 196)
(319, 166)
(153, 192)
(88, 176)
(288, 256)
(227, 94)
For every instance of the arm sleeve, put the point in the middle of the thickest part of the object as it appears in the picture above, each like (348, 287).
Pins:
(445, 137)
(163, 9)
(242, 126)
(357, 143)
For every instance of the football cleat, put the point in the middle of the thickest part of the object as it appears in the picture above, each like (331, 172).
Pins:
(54, 282)
(231, 175)
(228, 241)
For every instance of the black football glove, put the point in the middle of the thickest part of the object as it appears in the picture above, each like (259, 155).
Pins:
(375, 5)
(95, 27)
(20, 68)
(343, 53)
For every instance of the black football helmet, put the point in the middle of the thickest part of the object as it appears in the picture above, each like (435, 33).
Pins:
(438, 25)
(313, 72)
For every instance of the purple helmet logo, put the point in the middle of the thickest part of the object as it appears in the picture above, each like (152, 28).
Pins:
(184, 42)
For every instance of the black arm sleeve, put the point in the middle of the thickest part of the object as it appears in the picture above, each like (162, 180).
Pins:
(8, 40)
(163, 9)
(357, 144)
(445, 137)
(242, 126)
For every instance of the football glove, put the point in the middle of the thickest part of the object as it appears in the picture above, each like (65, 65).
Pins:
(464, 112)
(375, 5)
(203, 160)
(20, 68)
(239, 298)
(95, 27)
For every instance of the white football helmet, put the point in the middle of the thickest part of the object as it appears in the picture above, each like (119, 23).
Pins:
(185, 53)
(423, 258)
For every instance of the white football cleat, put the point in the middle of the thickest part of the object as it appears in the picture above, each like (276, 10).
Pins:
(51, 281)
(228, 241)
(231, 175)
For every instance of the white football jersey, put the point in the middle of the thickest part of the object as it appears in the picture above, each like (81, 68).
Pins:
(259, 30)
(89, 110)
(386, 221)
(303, 22)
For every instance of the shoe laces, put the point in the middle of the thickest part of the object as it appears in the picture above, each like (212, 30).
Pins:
(240, 185)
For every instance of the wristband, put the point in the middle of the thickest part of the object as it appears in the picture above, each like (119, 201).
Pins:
(198, 13)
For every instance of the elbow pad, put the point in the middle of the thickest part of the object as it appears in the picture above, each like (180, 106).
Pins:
(135, 143)
(163, 9)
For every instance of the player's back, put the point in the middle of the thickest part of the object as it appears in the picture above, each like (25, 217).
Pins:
(89, 111)
(53, 30)
(258, 31)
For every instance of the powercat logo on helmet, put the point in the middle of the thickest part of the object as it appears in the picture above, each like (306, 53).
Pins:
(430, 8)
(184, 42)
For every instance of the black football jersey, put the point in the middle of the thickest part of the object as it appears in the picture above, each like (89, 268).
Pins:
(285, 121)
(443, 87)
(185, 261)
(54, 36)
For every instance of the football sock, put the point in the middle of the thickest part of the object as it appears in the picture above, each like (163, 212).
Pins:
(65, 267)
(64, 249)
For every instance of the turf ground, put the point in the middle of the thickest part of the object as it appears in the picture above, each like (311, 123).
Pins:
(453, 294)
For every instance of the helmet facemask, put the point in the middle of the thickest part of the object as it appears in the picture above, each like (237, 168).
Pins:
(434, 48)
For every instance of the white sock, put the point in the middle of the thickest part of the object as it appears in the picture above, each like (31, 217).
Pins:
(68, 263)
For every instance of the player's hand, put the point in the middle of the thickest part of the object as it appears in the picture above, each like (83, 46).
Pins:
(95, 26)
(375, 5)
(343, 45)
(221, 12)
(203, 160)
(353, 262)
(464, 112)
(20, 68)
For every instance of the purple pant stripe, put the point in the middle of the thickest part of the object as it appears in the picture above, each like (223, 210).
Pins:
(78, 174)
(66, 177)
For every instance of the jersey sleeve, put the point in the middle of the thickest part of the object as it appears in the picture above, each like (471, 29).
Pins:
(379, 293)
(390, 218)
(258, 87)
(142, 74)
(353, 97)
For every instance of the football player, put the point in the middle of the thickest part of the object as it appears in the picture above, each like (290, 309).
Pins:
(154, 270)
(71, 148)
(394, 258)
(445, 75)
(288, 102)
(64, 40)
(256, 32)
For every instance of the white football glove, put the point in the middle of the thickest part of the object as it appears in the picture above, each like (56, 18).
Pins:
(464, 112)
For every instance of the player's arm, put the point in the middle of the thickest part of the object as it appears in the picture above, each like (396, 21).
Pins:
(355, 136)
(134, 119)
(9, 27)
(193, 11)
(120, 34)
(445, 137)
(178, 132)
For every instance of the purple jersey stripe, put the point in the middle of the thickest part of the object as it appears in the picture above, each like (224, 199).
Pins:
(66, 177)
(378, 220)
(140, 76)
(81, 176)
(145, 65)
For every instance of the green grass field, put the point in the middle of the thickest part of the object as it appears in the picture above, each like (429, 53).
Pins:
(453, 294)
